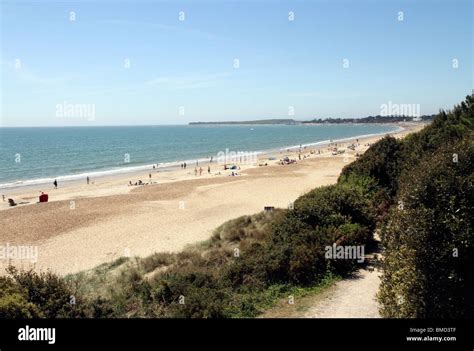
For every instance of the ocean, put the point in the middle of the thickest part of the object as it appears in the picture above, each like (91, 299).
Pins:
(31, 156)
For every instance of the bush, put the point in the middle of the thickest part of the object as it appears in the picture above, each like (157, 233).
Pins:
(294, 252)
(428, 266)
(51, 294)
(381, 163)
(14, 301)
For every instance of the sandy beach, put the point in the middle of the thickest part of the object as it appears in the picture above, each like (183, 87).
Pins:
(84, 225)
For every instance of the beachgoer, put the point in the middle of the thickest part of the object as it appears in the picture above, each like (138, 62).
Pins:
(88, 179)
(209, 169)
(195, 171)
(55, 183)
(184, 165)
(200, 170)
(3, 197)
(149, 175)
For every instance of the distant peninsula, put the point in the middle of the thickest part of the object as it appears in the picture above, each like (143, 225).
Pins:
(372, 119)
(369, 119)
(260, 121)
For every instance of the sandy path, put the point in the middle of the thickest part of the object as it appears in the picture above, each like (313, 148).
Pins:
(349, 298)
(354, 297)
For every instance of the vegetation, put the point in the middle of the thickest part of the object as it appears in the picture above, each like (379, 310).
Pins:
(427, 231)
(371, 119)
(429, 235)
(26, 294)
(418, 192)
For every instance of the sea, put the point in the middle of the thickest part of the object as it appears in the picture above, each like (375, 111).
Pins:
(30, 156)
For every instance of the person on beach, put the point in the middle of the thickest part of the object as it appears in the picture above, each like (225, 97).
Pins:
(195, 171)
(55, 183)
(209, 169)
(88, 180)
(200, 171)
(149, 175)
(184, 165)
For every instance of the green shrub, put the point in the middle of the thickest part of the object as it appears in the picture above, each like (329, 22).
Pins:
(381, 163)
(429, 239)
(14, 301)
(51, 294)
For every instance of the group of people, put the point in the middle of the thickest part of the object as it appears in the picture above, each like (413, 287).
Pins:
(196, 170)
(287, 161)
(136, 183)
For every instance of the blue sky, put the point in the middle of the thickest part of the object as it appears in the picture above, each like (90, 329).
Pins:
(188, 66)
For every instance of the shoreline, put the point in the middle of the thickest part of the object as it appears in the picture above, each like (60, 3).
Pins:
(69, 179)
(110, 219)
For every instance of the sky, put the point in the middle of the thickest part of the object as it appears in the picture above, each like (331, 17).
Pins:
(67, 63)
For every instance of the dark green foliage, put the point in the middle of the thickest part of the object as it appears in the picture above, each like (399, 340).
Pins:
(429, 266)
(14, 301)
(44, 295)
(191, 295)
(380, 162)
(295, 252)
(447, 127)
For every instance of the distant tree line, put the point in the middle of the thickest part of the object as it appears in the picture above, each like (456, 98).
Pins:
(372, 119)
